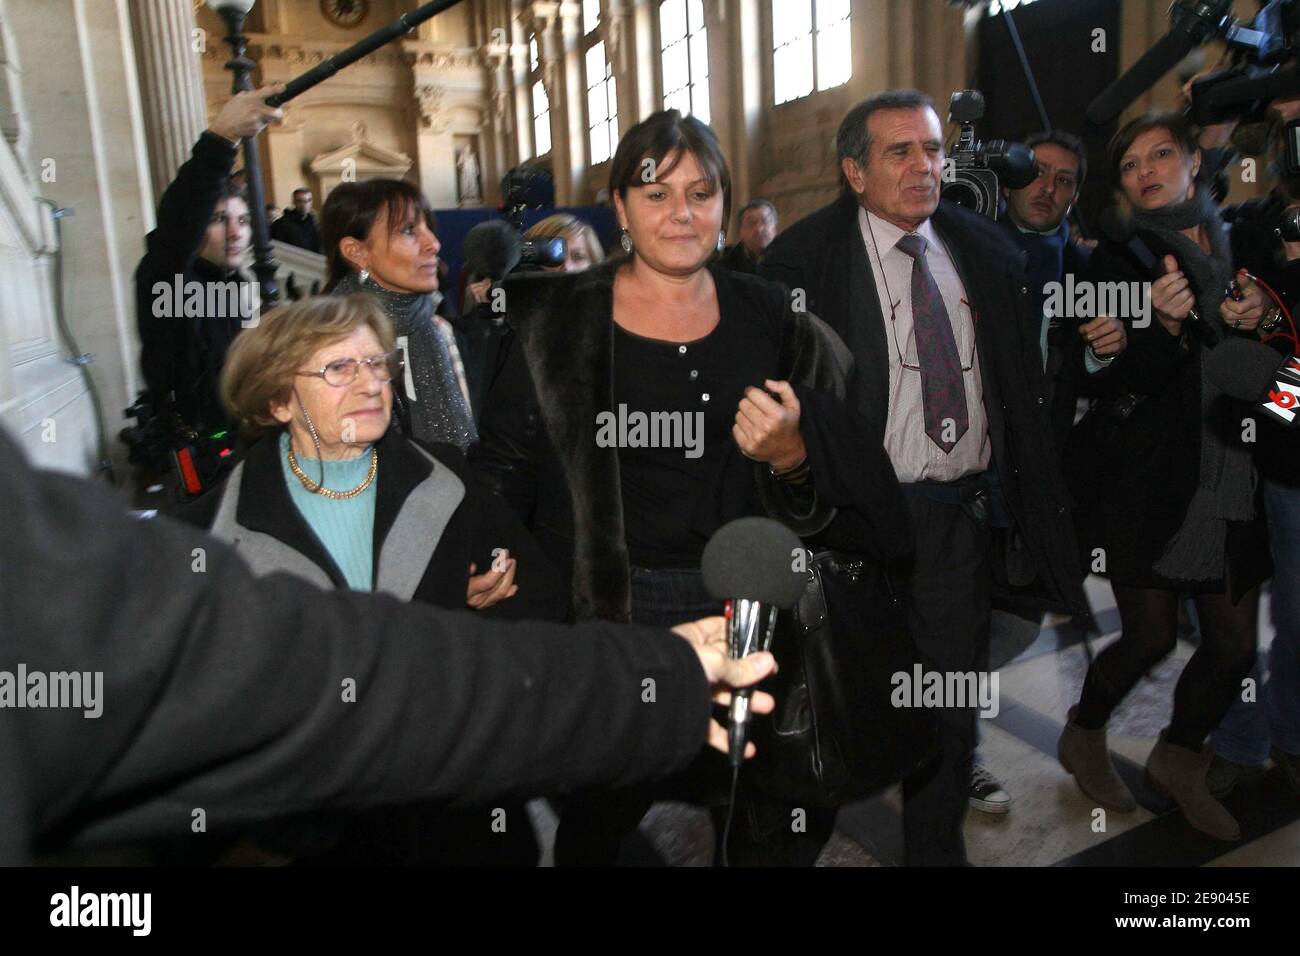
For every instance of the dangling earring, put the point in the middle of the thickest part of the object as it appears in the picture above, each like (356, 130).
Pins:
(722, 240)
(365, 274)
(625, 241)
(311, 427)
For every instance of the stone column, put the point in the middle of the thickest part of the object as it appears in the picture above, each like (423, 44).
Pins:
(500, 126)
(171, 84)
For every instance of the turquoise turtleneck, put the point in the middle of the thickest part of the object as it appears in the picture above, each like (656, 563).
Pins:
(346, 528)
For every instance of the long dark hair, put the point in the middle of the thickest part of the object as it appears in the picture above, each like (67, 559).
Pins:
(353, 208)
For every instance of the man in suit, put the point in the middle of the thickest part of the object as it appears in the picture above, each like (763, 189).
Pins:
(933, 302)
(757, 230)
(298, 225)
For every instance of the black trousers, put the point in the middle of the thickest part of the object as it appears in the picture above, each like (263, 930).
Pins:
(948, 609)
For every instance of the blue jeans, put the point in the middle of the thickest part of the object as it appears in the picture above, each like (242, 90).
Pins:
(1244, 734)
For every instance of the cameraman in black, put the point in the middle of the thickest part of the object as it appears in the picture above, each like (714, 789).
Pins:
(1242, 740)
(1074, 351)
(191, 263)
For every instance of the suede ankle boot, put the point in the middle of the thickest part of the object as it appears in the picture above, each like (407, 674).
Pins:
(1084, 754)
(1178, 773)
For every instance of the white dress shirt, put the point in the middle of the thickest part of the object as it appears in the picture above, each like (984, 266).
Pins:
(914, 455)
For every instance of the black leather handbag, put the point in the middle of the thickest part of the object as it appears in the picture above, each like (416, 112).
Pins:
(835, 736)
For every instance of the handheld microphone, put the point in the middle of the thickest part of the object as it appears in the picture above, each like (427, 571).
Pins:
(1141, 255)
(750, 562)
(1253, 372)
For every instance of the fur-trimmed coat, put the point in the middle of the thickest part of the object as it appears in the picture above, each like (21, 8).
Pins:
(537, 443)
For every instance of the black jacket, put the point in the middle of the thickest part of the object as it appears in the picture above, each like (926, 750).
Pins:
(182, 355)
(297, 230)
(737, 259)
(1133, 479)
(823, 255)
(536, 436)
(420, 553)
(222, 690)
(1068, 378)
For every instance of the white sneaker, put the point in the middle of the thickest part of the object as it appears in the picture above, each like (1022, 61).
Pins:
(986, 794)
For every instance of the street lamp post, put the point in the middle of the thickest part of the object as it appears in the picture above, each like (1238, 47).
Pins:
(234, 12)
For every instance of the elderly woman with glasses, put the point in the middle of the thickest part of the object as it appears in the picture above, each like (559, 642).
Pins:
(331, 493)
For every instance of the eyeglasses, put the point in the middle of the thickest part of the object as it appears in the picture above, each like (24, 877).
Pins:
(343, 372)
(893, 317)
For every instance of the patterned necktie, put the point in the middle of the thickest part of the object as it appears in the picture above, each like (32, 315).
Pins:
(942, 390)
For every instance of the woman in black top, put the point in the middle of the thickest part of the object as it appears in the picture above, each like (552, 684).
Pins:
(1166, 483)
(661, 348)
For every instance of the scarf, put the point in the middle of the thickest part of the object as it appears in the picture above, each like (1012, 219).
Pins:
(1226, 485)
(439, 409)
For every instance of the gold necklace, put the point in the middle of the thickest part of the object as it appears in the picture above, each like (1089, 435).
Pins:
(326, 492)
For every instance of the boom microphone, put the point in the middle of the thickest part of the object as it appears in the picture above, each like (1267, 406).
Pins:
(1253, 372)
(750, 563)
(363, 47)
(1140, 254)
(1193, 22)
(1140, 77)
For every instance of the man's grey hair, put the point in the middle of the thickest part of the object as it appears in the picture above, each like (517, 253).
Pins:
(853, 141)
(756, 204)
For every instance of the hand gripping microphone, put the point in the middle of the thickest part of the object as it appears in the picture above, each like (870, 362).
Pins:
(1141, 255)
(750, 563)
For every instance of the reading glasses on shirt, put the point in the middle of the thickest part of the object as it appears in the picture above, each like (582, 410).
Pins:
(893, 318)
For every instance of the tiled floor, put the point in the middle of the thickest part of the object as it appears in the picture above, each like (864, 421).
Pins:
(1051, 822)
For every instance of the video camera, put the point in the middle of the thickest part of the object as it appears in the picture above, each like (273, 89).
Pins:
(496, 248)
(187, 462)
(1268, 213)
(524, 188)
(973, 169)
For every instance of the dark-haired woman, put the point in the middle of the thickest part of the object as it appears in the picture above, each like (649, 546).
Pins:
(1169, 502)
(663, 329)
(379, 238)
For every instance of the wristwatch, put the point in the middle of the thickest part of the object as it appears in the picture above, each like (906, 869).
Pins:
(1272, 319)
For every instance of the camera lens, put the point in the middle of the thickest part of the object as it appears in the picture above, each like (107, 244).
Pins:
(965, 193)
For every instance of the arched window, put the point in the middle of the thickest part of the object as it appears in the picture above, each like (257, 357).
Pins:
(811, 47)
(997, 6)
(541, 102)
(684, 57)
(602, 89)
